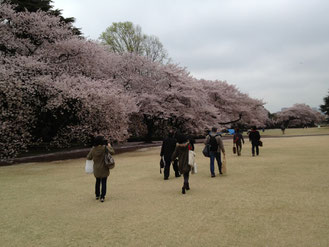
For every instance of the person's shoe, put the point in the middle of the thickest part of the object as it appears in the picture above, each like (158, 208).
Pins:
(220, 173)
(102, 199)
(165, 178)
(253, 155)
(97, 197)
(183, 190)
(213, 175)
(177, 175)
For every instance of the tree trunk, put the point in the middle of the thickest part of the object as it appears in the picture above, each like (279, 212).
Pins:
(150, 129)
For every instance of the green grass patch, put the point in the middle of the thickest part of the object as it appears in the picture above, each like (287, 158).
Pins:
(296, 131)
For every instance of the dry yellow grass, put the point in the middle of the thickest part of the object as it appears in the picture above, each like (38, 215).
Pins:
(277, 199)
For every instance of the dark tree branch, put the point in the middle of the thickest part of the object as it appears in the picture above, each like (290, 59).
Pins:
(234, 121)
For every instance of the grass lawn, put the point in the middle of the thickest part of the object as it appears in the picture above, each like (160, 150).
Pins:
(280, 198)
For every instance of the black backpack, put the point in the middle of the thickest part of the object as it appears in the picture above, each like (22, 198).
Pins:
(213, 144)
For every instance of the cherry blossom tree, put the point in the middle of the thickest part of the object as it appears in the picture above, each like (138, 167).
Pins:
(231, 104)
(166, 95)
(60, 89)
(52, 89)
(299, 115)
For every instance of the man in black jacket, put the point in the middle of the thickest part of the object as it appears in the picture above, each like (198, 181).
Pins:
(167, 149)
(254, 137)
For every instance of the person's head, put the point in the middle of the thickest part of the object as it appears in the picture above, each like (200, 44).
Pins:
(99, 140)
(181, 138)
(214, 129)
(191, 140)
(253, 128)
(237, 130)
(171, 133)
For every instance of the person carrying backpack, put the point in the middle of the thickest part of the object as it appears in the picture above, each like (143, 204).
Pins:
(215, 147)
(238, 140)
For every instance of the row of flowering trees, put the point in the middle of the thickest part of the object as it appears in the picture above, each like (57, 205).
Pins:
(299, 115)
(58, 88)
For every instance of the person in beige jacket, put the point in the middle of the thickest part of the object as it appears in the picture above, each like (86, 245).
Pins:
(101, 172)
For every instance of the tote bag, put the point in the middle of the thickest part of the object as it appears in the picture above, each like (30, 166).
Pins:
(191, 158)
(108, 159)
(206, 150)
(224, 168)
(89, 167)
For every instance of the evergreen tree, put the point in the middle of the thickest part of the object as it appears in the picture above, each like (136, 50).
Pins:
(31, 5)
(325, 107)
(44, 5)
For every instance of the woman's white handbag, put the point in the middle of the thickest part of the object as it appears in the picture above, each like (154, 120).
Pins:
(191, 158)
(89, 168)
(191, 161)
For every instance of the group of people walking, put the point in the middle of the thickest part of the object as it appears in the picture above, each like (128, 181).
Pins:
(171, 151)
(254, 138)
(174, 150)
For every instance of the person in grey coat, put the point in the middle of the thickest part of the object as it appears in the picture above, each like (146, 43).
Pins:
(216, 147)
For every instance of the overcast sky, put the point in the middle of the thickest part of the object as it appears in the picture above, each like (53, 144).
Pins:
(275, 50)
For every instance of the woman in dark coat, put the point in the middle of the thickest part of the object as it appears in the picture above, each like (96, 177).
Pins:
(101, 172)
(182, 151)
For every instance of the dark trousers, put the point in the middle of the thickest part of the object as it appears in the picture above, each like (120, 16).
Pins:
(238, 148)
(167, 168)
(186, 177)
(254, 146)
(100, 181)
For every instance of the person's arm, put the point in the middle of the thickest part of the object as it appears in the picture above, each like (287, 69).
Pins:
(90, 155)
(110, 148)
(242, 138)
(162, 149)
(175, 154)
(206, 141)
(220, 144)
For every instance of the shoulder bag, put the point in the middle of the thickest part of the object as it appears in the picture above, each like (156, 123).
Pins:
(108, 159)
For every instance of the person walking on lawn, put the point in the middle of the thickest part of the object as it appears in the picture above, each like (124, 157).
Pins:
(238, 140)
(216, 147)
(181, 152)
(101, 172)
(167, 149)
(254, 137)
